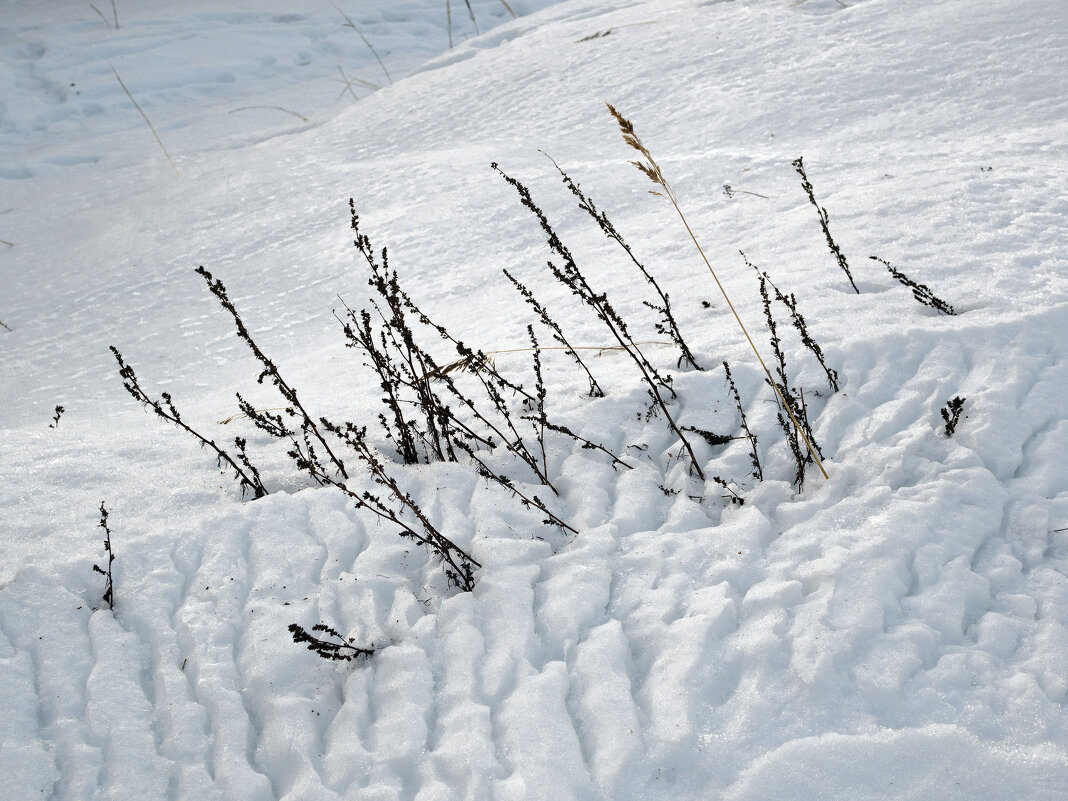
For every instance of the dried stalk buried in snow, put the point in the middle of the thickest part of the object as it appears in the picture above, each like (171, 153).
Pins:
(274, 108)
(151, 127)
(921, 292)
(350, 24)
(109, 585)
(799, 165)
(651, 170)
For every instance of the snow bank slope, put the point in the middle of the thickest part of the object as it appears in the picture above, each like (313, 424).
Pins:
(898, 631)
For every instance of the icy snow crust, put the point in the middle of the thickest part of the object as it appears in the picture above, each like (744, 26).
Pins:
(895, 632)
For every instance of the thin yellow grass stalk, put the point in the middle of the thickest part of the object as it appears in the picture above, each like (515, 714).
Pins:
(350, 24)
(148, 122)
(648, 167)
(275, 108)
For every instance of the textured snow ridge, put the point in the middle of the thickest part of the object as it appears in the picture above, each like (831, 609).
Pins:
(897, 631)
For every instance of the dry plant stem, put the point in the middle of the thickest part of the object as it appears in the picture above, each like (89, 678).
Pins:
(165, 409)
(109, 586)
(5, 242)
(471, 14)
(338, 650)
(151, 127)
(508, 8)
(275, 108)
(5, 325)
(570, 276)
(215, 286)
(558, 334)
(667, 324)
(101, 13)
(836, 251)
(653, 172)
(741, 325)
(921, 292)
(345, 79)
(448, 20)
(350, 24)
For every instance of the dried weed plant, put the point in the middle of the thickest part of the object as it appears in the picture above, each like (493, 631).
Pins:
(650, 169)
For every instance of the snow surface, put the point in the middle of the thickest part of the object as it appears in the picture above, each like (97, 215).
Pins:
(898, 631)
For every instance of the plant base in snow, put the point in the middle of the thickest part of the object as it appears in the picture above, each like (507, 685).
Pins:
(951, 414)
(339, 649)
(921, 292)
(109, 584)
(244, 471)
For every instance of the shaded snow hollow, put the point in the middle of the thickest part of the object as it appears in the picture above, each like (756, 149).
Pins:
(899, 631)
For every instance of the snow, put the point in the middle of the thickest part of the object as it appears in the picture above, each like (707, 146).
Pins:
(896, 631)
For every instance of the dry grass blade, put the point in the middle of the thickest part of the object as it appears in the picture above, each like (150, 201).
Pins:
(101, 13)
(243, 416)
(350, 24)
(648, 167)
(471, 14)
(4, 325)
(508, 8)
(148, 122)
(473, 361)
(275, 108)
(5, 242)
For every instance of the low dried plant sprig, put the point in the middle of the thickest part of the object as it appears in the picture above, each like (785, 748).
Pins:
(109, 582)
(951, 414)
(248, 477)
(754, 456)
(340, 649)
(558, 334)
(270, 369)
(921, 292)
(825, 219)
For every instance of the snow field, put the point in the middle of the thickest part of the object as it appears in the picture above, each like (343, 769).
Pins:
(898, 631)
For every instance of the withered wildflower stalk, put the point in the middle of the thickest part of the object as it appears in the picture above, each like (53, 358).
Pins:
(921, 292)
(558, 334)
(825, 219)
(647, 166)
(667, 324)
(408, 375)
(270, 371)
(245, 472)
(459, 566)
(796, 397)
(569, 274)
(754, 457)
(340, 649)
(951, 414)
(798, 320)
(55, 419)
(109, 584)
